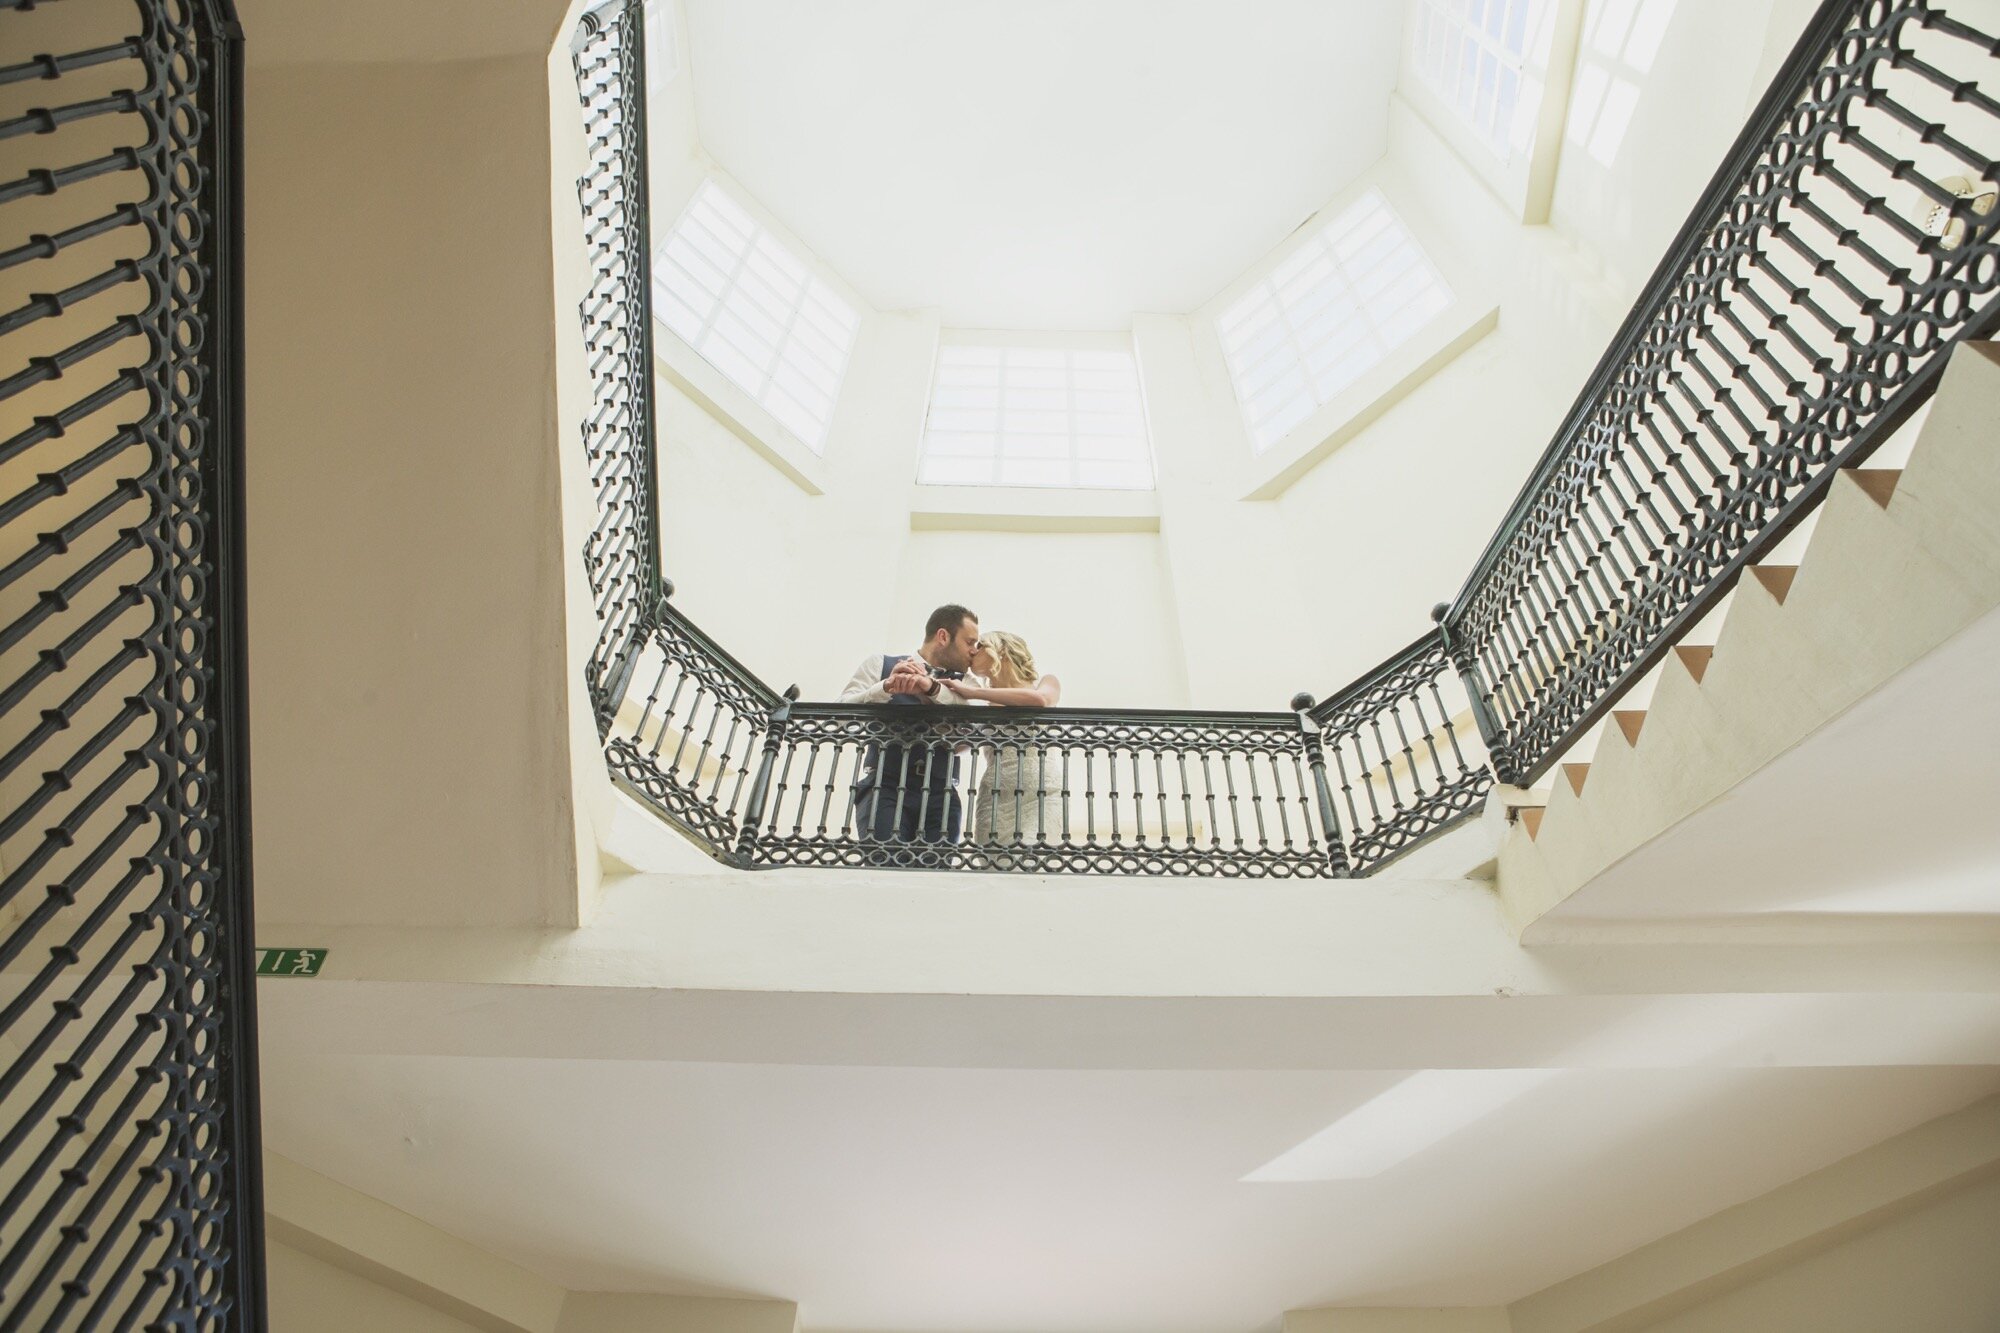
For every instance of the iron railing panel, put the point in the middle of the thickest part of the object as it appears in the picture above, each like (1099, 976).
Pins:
(1403, 752)
(621, 555)
(129, 1167)
(1797, 320)
(1047, 791)
(688, 737)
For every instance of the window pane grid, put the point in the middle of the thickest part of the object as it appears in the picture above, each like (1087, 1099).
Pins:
(1030, 416)
(1471, 52)
(754, 311)
(1328, 313)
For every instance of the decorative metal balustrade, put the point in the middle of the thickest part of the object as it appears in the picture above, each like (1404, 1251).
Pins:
(759, 779)
(1065, 790)
(1800, 316)
(128, 1132)
(621, 557)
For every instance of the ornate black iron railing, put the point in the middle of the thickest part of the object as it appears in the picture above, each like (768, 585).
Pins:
(129, 1191)
(759, 779)
(1800, 316)
(1405, 759)
(621, 556)
(1064, 790)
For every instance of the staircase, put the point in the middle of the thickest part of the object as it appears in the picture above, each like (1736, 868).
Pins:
(1898, 563)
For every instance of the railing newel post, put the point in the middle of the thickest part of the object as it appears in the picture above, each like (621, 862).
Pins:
(775, 729)
(1490, 733)
(1315, 748)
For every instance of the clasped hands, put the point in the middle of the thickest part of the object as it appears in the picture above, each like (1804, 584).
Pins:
(913, 675)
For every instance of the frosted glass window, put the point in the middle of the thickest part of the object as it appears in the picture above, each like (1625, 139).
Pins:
(1470, 53)
(1324, 316)
(1036, 416)
(755, 311)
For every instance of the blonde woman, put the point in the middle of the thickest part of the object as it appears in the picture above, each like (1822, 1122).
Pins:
(1019, 797)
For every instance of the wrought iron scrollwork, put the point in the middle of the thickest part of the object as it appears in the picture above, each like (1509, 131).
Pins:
(1404, 759)
(1800, 317)
(129, 1160)
(1056, 791)
(621, 556)
(686, 739)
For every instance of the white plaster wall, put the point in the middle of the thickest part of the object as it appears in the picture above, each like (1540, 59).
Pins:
(405, 600)
(801, 586)
(1932, 1269)
(309, 1295)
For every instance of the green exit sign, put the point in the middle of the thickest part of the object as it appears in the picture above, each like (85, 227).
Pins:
(290, 962)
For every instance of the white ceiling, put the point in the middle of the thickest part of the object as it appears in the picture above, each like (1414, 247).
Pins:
(1038, 1201)
(1889, 808)
(1042, 163)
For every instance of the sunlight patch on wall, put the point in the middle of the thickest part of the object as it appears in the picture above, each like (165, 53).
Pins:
(663, 55)
(1417, 1113)
(1620, 42)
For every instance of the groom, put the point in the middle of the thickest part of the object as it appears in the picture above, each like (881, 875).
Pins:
(907, 792)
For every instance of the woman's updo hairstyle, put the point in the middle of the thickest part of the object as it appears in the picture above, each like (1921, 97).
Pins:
(1012, 650)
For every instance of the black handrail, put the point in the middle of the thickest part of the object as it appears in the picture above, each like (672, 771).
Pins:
(1797, 319)
(621, 557)
(129, 1161)
(1712, 425)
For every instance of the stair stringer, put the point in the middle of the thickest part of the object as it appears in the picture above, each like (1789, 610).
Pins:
(1877, 589)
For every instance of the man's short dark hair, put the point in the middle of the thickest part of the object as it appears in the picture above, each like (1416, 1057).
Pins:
(947, 618)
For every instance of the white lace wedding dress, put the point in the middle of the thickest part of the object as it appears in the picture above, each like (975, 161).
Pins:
(1018, 802)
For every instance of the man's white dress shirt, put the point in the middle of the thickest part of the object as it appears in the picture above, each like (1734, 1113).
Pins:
(867, 687)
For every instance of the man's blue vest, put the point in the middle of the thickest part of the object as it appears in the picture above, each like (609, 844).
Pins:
(885, 764)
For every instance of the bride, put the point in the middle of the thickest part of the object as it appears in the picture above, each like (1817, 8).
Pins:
(1019, 799)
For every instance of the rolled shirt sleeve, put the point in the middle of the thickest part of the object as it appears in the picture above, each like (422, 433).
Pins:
(866, 686)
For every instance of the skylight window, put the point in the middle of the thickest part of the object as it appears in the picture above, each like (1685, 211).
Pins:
(1470, 53)
(1036, 416)
(1330, 312)
(756, 312)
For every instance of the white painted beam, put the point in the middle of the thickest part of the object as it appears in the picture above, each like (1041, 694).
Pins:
(321, 1217)
(1780, 1228)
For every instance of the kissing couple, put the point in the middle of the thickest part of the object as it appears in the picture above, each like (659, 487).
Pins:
(908, 792)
